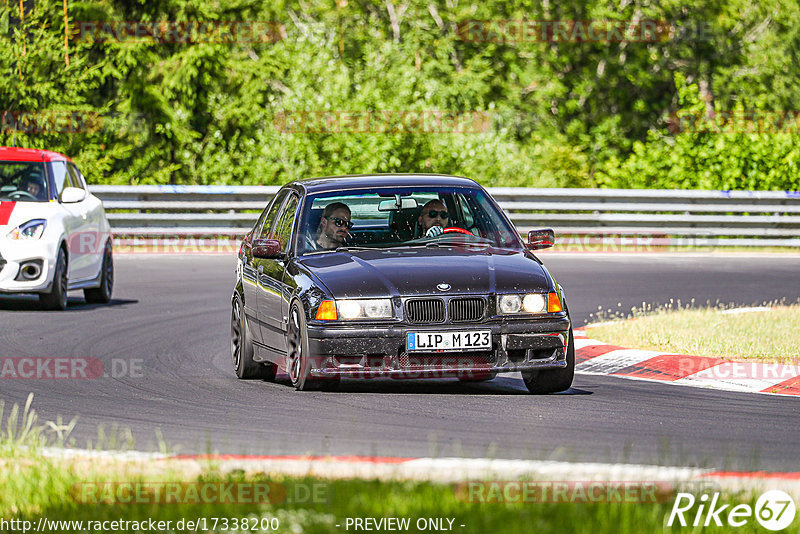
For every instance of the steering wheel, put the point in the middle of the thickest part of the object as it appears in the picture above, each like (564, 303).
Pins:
(21, 194)
(455, 229)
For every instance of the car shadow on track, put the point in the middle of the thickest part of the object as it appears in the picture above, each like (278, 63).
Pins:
(440, 386)
(26, 303)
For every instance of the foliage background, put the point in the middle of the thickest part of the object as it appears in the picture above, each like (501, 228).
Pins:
(563, 114)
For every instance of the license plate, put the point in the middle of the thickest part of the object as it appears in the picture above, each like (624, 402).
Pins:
(428, 341)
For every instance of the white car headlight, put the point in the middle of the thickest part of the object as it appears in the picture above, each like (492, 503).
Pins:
(510, 304)
(534, 303)
(530, 303)
(32, 229)
(364, 309)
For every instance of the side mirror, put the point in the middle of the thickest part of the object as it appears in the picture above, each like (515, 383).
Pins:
(71, 195)
(267, 249)
(539, 239)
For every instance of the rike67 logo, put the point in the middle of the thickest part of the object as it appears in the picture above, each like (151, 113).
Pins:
(774, 510)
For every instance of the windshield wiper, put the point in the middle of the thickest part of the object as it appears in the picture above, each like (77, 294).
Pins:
(435, 244)
(404, 245)
(351, 248)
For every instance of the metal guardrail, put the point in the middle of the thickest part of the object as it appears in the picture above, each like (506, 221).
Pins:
(761, 218)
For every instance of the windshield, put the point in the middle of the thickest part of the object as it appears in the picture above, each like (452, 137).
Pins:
(23, 181)
(403, 217)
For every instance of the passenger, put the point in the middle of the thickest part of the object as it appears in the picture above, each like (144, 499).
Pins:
(333, 227)
(433, 218)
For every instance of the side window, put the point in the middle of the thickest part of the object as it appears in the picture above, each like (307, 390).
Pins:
(75, 177)
(464, 211)
(60, 175)
(283, 231)
(264, 225)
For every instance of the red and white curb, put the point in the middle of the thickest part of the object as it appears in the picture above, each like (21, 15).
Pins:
(443, 470)
(594, 357)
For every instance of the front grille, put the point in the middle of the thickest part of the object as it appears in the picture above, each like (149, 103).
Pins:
(444, 361)
(467, 309)
(421, 311)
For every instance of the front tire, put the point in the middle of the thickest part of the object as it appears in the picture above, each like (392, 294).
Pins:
(56, 299)
(555, 380)
(298, 356)
(102, 294)
(242, 348)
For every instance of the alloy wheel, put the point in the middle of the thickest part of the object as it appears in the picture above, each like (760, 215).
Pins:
(295, 348)
(236, 334)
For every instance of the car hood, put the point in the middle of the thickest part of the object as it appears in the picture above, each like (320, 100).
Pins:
(12, 213)
(409, 272)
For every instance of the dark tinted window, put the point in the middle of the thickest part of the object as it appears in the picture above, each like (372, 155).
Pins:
(23, 181)
(264, 226)
(283, 231)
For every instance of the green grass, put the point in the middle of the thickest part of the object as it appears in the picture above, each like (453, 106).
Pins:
(34, 487)
(769, 336)
(46, 491)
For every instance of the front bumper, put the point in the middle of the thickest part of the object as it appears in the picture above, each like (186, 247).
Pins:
(361, 351)
(15, 253)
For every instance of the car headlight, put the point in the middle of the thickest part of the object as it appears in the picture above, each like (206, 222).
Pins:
(32, 229)
(510, 304)
(529, 303)
(534, 303)
(349, 309)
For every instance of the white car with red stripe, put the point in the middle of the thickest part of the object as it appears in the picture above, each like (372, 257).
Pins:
(54, 235)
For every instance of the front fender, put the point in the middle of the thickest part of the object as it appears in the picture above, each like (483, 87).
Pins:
(307, 288)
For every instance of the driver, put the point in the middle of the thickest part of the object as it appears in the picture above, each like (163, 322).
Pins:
(33, 184)
(433, 218)
(334, 227)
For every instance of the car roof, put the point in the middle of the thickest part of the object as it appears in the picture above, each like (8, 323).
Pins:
(360, 181)
(30, 154)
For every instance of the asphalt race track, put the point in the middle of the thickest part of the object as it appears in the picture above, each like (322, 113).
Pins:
(167, 335)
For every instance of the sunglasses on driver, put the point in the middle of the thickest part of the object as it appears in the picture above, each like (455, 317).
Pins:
(340, 222)
(433, 214)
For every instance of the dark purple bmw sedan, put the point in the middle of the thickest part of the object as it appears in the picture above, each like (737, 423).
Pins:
(401, 276)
